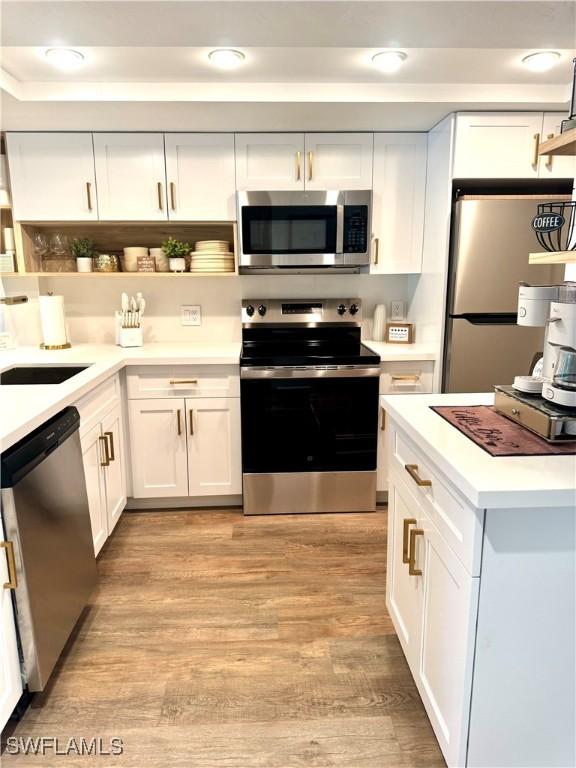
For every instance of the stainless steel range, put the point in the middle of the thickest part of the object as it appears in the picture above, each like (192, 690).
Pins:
(309, 395)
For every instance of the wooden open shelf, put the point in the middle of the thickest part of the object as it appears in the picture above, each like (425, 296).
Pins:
(563, 144)
(113, 237)
(553, 257)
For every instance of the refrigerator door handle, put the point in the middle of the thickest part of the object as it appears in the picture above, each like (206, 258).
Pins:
(488, 318)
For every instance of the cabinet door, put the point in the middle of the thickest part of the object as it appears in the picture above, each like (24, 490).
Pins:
(94, 457)
(214, 459)
(201, 176)
(339, 160)
(382, 460)
(398, 202)
(269, 161)
(10, 679)
(555, 167)
(158, 448)
(131, 176)
(52, 176)
(115, 475)
(497, 145)
(449, 612)
(404, 592)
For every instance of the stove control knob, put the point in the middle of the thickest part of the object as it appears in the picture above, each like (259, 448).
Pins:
(354, 309)
(261, 310)
(249, 310)
(341, 309)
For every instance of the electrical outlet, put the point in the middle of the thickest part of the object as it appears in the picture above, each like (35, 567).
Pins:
(397, 310)
(190, 314)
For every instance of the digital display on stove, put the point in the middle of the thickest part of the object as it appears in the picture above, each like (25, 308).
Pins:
(302, 309)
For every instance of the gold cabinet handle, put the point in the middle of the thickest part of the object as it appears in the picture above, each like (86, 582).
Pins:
(310, 158)
(179, 420)
(407, 377)
(412, 570)
(536, 147)
(382, 419)
(407, 523)
(104, 440)
(191, 421)
(376, 249)
(110, 436)
(550, 158)
(160, 202)
(89, 195)
(183, 381)
(172, 195)
(12, 583)
(298, 166)
(412, 470)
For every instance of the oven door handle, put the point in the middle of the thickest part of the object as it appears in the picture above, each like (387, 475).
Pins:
(286, 372)
(339, 229)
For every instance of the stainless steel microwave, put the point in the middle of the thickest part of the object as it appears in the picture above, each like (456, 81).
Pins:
(304, 231)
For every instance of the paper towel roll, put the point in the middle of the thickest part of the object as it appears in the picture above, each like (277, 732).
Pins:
(9, 239)
(53, 321)
(379, 327)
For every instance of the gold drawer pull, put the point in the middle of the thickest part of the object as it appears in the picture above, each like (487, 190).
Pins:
(298, 166)
(191, 421)
(376, 249)
(413, 377)
(412, 570)
(89, 195)
(412, 470)
(550, 158)
(179, 421)
(13, 578)
(383, 421)
(310, 172)
(536, 147)
(106, 463)
(407, 523)
(173, 195)
(160, 194)
(183, 381)
(110, 436)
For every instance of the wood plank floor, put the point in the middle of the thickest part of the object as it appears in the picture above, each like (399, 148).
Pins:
(218, 641)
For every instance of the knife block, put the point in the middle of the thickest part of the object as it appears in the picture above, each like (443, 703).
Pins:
(127, 337)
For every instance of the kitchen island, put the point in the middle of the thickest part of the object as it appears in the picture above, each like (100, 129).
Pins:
(481, 588)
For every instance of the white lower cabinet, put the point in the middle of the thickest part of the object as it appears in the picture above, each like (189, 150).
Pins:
(10, 679)
(185, 446)
(103, 456)
(433, 602)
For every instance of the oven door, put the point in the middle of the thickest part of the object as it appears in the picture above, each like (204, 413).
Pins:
(319, 424)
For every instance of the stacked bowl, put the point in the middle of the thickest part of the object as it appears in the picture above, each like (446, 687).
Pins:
(212, 256)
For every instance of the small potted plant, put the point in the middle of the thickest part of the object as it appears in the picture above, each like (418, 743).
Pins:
(83, 250)
(176, 251)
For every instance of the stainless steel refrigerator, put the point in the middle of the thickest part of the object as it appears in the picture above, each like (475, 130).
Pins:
(491, 240)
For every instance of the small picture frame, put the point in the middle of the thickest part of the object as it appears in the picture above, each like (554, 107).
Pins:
(399, 333)
(146, 264)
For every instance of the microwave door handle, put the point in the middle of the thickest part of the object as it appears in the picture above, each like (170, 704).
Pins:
(339, 229)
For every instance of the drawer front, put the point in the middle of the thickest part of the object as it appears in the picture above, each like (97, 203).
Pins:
(96, 404)
(183, 381)
(403, 378)
(459, 524)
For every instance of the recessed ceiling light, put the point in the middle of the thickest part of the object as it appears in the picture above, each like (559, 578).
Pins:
(389, 61)
(226, 58)
(541, 61)
(64, 58)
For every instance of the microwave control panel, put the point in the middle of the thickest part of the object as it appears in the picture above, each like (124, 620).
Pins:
(355, 229)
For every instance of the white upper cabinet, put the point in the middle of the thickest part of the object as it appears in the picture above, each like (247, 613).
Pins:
(131, 176)
(201, 176)
(214, 460)
(497, 145)
(52, 176)
(555, 167)
(398, 202)
(338, 160)
(269, 161)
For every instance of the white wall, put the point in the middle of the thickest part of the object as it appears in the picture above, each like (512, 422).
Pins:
(90, 302)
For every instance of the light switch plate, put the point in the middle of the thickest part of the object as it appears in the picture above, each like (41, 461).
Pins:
(190, 314)
(396, 309)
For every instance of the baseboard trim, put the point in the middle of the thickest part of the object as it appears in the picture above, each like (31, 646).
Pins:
(184, 502)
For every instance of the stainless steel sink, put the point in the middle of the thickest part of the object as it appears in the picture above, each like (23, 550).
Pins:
(40, 374)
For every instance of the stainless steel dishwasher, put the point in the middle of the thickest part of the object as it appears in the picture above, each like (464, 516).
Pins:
(47, 524)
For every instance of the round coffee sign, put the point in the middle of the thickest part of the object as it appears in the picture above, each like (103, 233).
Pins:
(547, 222)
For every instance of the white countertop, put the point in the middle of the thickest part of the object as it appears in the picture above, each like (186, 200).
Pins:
(401, 352)
(23, 408)
(486, 481)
